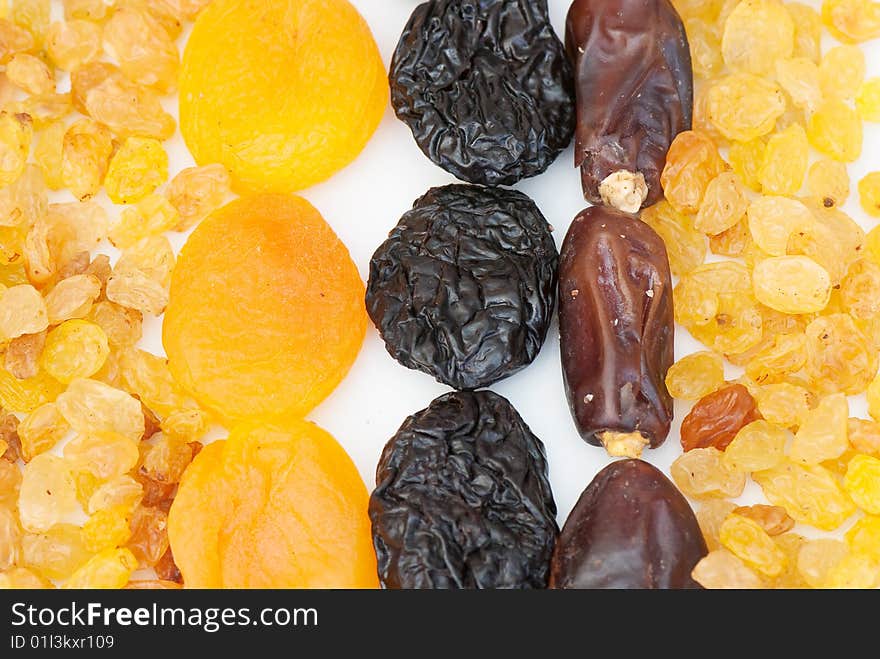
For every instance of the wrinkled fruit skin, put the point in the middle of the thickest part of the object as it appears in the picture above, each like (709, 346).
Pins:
(464, 287)
(635, 89)
(718, 417)
(485, 87)
(462, 499)
(631, 528)
(616, 326)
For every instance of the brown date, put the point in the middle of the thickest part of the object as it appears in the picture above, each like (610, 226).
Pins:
(631, 528)
(717, 417)
(635, 93)
(616, 330)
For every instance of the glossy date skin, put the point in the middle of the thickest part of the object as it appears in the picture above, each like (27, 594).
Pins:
(635, 93)
(631, 528)
(616, 330)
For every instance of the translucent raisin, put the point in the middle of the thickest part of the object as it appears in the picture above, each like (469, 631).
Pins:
(785, 161)
(692, 162)
(743, 106)
(757, 446)
(748, 540)
(695, 376)
(702, 473)
(773, 519)
(717, 418)
(835, 129)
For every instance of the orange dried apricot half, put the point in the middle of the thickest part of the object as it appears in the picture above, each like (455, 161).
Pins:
(266, 311)
(273, 507)
(284, 93)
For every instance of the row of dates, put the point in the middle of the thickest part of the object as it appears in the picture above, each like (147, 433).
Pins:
(466, 285)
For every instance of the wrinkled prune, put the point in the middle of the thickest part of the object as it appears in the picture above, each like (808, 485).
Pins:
(635, 92)
(485, 87)
(631, 528)
(464, 287)
(462, 499)
(616, 329)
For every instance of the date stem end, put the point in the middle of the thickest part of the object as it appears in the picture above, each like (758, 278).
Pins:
(624, 445)
(624, 190)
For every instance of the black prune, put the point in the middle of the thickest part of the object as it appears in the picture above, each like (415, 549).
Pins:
(631, 528)
(464, 287)
(485, 87)
(462, 499)
(616, 330)
(635, 93)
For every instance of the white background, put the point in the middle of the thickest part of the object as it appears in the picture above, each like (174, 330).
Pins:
(364, 201)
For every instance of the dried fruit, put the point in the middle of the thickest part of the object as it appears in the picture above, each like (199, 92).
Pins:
(685, 245)
(711, 514)
(852, 21)
(47, 493)
(149, 535)
(100, 91)
(862, 483)
(839, 356)
(722, 569)
(810, 494)
(792, 284)
(842, 72)
(696, 375)
(75, 349)
(807, 30)
(868, 100)
(717, 418)
(799, 77)
(71, 44)
(785, 161)
(634, 55)
(110, 568)
(786, 354)
(31, 74)
(631, 528)
(16, 134)
(748, 540)
(196, 192)
(433, 529)
(724, 204)
(757, 33)
(107, 529)
(616, 329)
(316, 301)
(869, 193)
(702, 473)
(139, 166)
(439, 72)
(756, 447)
(84, 158)
(836, 130)
(236, 93)
(145, 51)
(90, 406)
(56, 553)
(773, 519)
(743, 106)
(691, 163)
(491, 251)
(315, 492)
(828, 182)
(23, 353)
(818, 557)
(746, 159)
(41, 430)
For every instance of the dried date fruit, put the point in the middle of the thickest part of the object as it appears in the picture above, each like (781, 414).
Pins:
(485, 87)
(464, 287)
(616, 330)
(462, 499)
(631, 528)
(635, 93)
(717, 418)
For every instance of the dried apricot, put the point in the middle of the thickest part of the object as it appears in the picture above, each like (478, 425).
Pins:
(284, 93)
(267, 310)
(273, 508)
